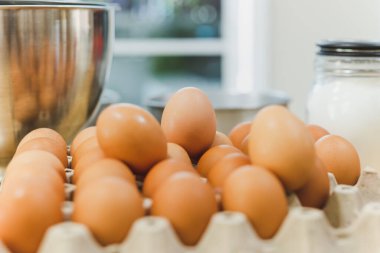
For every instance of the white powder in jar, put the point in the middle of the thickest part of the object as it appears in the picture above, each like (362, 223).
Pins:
(350, 107)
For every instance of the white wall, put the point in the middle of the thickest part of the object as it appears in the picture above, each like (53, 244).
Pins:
(298, 24)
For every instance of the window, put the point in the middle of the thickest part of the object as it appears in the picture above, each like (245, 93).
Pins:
(168, 19)
(162, 45)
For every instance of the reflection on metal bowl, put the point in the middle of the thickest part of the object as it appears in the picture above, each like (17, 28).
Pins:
(54, 60)
(230, 108)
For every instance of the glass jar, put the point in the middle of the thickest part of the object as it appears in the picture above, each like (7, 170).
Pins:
(345, 99)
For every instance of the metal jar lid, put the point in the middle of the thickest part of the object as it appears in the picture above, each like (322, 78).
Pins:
(349, 48)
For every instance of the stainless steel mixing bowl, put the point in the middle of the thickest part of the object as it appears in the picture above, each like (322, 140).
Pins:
(54, 61)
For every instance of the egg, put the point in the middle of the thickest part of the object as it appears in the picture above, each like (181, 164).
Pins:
(239, 132)
(177, 152)
(47, 133)
(258, 194)
(105, 168)
(244, 146)
(212, 156)
(34, 157)
(25, 215)
(162, 171)
(45, 144)
(108, 207)
(47, 177)
(188, 203)
(340, 158)
(27, 168)
(84, 148)
(92, 156)
(81, 137)
(220, 139)
(222, 169)
(130, 133)
(280, 142)
(317, 131)
(315, 192)
(189, 120)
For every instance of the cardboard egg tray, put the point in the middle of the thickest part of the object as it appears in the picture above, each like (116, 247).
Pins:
(349, 223)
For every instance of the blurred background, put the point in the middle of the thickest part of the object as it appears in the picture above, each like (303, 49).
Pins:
(243, 46)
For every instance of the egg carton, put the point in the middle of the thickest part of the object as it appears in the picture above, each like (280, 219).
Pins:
(349, 223)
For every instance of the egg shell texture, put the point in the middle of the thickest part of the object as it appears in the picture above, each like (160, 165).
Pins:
(110, 214)
(81, 137)
(212, 156)
(31, 158)
(44, 132)
(105, 168)
(317, 131)
(189, 120)
(258, 194)
(45, 144)
(226, 165)
(280, 142)
(340, 158)
(130, 133)
(315, 192)
(220, 139)
(188, 203)
(177, 152)
(161, 172)
(26, 214)
(239, 132)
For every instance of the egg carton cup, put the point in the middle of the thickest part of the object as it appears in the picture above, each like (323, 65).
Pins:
(350, 222)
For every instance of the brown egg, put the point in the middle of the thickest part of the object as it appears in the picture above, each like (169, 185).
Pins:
(245, 145)
(108, 207)
(340, 158)
(25, 215)
(45, 144)
(162, 171)
(22, 175)
(81, 137)
(315, 192)
(317, 131)
(28, 167)
(221, 139)
(129, 133)
(239, 132)
(83, 149)
(177, 152)
(89, 158)
(34, 157)
(44, 132)
(105, 168)
(258, 194)
(188, 203)
(189, 120)
(212, 156)
(222, 169)
(280, 142)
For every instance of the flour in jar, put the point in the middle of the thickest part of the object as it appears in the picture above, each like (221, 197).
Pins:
(350, 107)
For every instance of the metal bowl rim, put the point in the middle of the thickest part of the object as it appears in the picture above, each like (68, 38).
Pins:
(54, 5)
